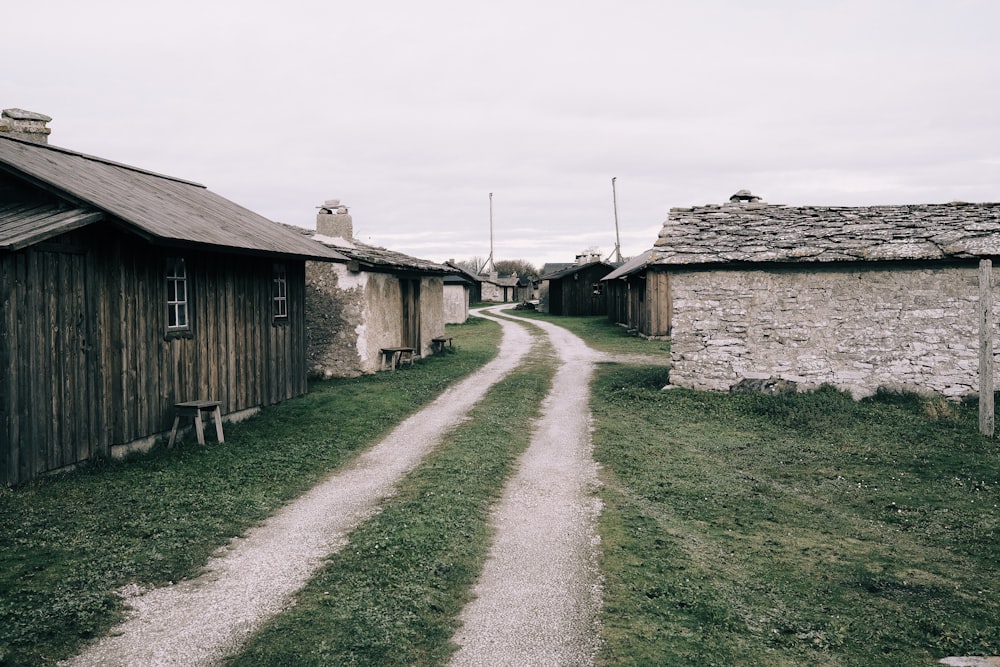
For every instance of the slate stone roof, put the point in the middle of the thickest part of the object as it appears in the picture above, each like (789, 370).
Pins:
(752, 232)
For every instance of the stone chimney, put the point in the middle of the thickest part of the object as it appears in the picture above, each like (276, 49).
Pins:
(744, 196)
(26, 125)
(588, 257)
(334, 220)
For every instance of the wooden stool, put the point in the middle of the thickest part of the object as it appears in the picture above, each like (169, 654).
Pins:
(438, 343)
(194, 409)
(396, 356)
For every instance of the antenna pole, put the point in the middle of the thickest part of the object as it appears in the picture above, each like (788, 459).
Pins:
(489, 262)
(618, 243)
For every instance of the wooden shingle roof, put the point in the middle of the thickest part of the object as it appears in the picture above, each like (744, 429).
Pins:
(753, 232)
(159, 208)
(25, 223)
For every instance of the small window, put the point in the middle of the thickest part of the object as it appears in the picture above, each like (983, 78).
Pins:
(598, 288)
(279, 293)
(178, 316)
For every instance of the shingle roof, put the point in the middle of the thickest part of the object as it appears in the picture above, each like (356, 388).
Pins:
(557, 275)
(749, 232)
(25, 223)
(157, 207)
(637, 263)
(377, 258)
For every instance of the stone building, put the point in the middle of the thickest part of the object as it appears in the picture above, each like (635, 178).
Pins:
(857, 297)
(377, 299)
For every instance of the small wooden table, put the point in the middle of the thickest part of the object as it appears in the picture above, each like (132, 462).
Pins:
(396, 356)
(437, 344)
(194, 409)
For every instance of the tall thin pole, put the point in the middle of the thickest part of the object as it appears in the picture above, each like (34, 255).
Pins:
(618, 243)
(986, 414)
(489, 262)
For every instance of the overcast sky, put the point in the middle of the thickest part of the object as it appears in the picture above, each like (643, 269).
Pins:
(412, 113)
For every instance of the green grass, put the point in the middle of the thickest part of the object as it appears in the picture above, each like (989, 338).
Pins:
(601, 334)
(807, 529)
(738, 529)
(70, 541)
(393, 594)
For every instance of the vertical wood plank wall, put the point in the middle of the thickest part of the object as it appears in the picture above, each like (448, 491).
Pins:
(84, 362)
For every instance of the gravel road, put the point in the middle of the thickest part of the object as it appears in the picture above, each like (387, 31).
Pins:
(537, 599)
(538, 596)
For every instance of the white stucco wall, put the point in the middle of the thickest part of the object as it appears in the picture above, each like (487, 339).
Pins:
(351, 315)
(905, 329)
(456, 303)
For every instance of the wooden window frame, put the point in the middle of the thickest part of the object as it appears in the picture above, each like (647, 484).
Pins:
(279, 293)
(177, 283)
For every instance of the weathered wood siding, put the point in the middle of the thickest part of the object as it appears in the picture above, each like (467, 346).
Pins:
(574, 294)
(84, 361)
(655, 306)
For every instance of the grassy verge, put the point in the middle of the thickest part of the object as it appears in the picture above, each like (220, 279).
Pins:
(392, 596)
(601, 334)
(70, 541)
(808, 529)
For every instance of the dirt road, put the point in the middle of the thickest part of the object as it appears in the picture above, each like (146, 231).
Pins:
(539, 593)
(538, 596)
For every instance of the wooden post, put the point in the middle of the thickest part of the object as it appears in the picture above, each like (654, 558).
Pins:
(986, 417)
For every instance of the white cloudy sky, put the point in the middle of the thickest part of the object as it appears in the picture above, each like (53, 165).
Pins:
(413, 112)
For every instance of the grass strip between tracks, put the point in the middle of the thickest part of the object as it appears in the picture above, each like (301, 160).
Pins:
(393, 594)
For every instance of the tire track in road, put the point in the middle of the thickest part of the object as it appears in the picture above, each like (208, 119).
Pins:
(202, 620)
(538, 597)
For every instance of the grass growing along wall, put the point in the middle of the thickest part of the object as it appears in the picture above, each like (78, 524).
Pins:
(803, 529)
(70, 541)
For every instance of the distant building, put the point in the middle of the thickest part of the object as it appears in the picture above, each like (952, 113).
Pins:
(576, 289)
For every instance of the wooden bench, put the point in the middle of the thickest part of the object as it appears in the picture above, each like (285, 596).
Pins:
(396, 356)
(437, 344)
(194, 409)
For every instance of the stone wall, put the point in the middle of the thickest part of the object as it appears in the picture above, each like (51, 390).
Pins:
(335, 312)
(350, 315)
(859, 329)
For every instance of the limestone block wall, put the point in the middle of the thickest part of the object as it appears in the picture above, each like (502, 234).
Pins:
(859, 329)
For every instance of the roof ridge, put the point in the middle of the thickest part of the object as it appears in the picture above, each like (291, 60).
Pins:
(95, 158)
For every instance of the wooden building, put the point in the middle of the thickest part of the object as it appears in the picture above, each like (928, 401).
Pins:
(125, 292)
(639, 299)
(577, 290)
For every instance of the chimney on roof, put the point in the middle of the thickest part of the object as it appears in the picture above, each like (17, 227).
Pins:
(26, 125)
(744, 196)
(334, 220)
